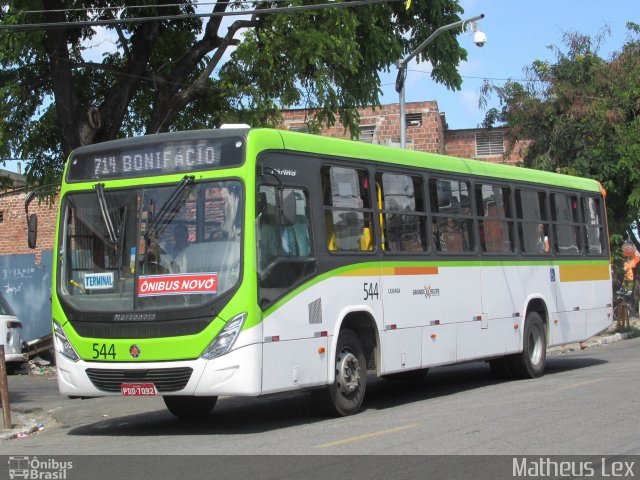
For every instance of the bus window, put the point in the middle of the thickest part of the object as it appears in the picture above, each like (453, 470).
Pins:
(285, 252)
(276, 240)
(403, 217)
(348, 214)
(452, 223)
(592, 217)
(495, 220)
(533, 222)
(566, 229)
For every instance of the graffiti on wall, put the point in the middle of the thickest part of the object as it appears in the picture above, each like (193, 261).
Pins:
(27, 288)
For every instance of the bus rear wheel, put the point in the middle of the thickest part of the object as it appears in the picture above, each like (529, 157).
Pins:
(190, 408)
(344, 397)
(530, 362)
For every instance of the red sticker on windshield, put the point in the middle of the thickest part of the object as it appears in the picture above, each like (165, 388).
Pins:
(182, 284)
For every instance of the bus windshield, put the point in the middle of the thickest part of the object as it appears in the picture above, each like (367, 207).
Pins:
(150, 248)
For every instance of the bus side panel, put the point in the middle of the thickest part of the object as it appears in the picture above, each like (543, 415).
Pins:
(294, 364)
(502, 291)
(401, 349)
(583, 293)
(598, 319)
(505, 290)
(567, 327)
(439, 343)
(478, 342)
(583, 286)
(308, 323)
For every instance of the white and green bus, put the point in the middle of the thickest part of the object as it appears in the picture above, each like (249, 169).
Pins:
(252, 261)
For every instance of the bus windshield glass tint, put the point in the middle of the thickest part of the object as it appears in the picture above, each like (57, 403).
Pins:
(150, 248)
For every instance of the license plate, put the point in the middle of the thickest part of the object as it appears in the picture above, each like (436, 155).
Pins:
(138, 389)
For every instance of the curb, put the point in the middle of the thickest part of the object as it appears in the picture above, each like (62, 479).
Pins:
(596, 342)
(27, 427)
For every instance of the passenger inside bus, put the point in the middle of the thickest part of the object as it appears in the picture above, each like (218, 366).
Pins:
(180, 239)
(451, 235)
(267, 236)
(542, 240)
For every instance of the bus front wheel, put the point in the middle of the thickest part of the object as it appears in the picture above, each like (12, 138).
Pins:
(190, 408)
(344, 397)
(530, 362)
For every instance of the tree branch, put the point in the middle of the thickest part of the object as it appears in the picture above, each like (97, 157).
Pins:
(123, 41)
(171, 99)
(632, 236)
(66, 102)
(117, 99)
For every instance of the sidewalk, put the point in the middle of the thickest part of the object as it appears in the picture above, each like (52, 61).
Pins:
(608, 336)
(26, 420)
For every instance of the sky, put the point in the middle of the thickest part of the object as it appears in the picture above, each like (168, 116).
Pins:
(518, 32)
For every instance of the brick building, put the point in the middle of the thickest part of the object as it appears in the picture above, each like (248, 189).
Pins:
(13, 219)
(426, 132)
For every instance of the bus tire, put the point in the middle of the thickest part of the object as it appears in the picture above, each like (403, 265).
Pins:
(190, 408)
(530, 362)
(344, 397)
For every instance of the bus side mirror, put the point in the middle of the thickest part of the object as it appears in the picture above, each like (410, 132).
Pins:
(32, 235)
(288, 208)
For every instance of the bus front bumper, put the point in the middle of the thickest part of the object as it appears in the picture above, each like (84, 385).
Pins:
(236, 373)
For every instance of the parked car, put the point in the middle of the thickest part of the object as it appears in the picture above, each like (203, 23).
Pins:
(11, 337)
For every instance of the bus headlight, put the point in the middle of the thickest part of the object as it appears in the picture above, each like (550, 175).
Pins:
(63, 345)
(225, 339)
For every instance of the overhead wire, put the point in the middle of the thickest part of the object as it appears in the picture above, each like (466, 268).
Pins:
(122, 21)
(133, 7)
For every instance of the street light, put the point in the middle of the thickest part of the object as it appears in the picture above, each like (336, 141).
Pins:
(402, 65)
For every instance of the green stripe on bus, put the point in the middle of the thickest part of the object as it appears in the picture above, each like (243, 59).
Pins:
(349, 270)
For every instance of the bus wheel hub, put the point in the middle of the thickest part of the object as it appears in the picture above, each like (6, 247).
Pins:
(348, 370)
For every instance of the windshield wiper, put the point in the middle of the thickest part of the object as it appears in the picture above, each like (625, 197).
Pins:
(169, 205)
(111, 231)
(115, 237)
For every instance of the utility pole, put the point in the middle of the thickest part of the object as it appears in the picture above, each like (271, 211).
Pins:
(402, 67)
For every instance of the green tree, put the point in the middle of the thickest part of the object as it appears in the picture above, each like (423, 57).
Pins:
(174, 74)
(580, 115)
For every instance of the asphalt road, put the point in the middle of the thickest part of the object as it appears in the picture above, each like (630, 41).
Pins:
(587, 403)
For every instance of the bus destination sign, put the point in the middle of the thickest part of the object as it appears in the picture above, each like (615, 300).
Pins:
(156, 159)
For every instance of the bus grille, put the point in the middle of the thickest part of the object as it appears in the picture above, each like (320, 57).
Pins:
(165, 379)
(142, 329)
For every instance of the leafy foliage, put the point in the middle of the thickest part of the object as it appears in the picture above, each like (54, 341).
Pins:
(170, 74)
(580, 115)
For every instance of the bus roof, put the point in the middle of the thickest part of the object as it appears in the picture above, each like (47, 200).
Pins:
(272, 139)
(319, 145)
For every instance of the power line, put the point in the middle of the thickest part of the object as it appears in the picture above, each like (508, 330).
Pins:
(131, 7)
(121, 21)
(524, 80)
